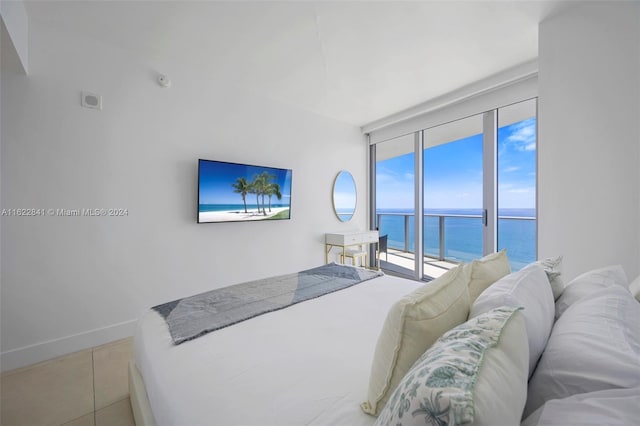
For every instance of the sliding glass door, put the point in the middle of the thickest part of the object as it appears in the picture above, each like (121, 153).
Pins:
(453, 191)
(473, 184)
(395, 201)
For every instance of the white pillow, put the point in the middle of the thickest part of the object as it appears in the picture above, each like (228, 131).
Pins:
(588, 283)
(594, 345)
(606, 407)
(412, 325)
(474, 374)
(530, 289)
(484, 272)
(634, 288)
(553, 267)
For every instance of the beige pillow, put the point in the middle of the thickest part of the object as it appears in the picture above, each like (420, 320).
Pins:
(412, 325)
(484, 272)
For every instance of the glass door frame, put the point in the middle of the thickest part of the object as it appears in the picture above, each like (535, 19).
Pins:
(490, 182)
(418, 142)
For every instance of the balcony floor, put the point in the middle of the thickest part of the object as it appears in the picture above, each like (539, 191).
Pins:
(397, 262)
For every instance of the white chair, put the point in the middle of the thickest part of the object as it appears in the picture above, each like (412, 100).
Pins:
(354, 255)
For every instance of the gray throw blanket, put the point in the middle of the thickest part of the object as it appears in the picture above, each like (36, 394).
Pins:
(203, 313)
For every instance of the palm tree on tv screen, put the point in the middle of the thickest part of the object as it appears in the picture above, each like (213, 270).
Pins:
(266, 179)
(261, 185)
(242, 187)
(255, 188)
(274, 189)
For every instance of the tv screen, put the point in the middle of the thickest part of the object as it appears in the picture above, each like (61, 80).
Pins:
(231, 192)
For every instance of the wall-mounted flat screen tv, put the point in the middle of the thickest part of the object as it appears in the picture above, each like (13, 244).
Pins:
(232, 192)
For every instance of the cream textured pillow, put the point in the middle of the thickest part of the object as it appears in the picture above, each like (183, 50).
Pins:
(474, 374)
(486, 271)
(412, 325)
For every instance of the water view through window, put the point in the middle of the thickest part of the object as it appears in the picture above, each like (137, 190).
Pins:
(453, 189)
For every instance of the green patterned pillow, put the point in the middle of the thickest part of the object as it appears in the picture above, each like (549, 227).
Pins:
(475, 373)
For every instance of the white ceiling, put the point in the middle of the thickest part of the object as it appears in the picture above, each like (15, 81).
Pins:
(352, 61)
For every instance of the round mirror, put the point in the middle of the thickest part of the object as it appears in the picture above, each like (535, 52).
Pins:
(344, 196)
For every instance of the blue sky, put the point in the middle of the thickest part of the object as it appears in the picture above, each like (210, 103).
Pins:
(216, 179)
(453, 173)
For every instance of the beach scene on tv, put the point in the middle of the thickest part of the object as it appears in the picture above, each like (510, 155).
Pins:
(230, 192)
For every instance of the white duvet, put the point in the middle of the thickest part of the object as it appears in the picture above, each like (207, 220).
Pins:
(308, 364)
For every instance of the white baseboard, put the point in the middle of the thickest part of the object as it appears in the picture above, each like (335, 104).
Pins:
(27, 355)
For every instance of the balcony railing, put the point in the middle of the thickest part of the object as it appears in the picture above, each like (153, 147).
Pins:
(458, 237)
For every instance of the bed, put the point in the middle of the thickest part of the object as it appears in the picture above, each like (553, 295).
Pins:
(479, 345)
(307, 364)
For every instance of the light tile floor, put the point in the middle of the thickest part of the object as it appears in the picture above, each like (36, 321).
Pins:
(87, 388)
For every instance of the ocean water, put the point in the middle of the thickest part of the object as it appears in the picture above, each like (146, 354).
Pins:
(463, 235)
(233, 207)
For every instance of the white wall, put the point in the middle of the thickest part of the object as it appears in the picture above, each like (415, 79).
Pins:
(73, 282)
(589, 137)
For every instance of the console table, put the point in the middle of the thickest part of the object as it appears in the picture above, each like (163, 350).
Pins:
(349, 239)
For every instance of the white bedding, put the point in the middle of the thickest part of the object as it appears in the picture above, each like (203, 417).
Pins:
(308, 364)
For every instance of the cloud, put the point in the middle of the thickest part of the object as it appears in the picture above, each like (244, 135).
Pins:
(510, 169)
(517, 196)
(388, 175)
(516, 187)
(523, 136)
(382, 178)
